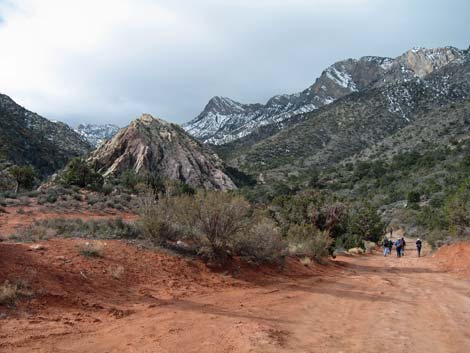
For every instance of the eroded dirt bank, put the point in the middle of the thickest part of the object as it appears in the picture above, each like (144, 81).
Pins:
(137, 300)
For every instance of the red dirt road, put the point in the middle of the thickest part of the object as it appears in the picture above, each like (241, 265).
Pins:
(167, 304)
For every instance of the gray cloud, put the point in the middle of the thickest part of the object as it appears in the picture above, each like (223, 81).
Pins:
(110, 63)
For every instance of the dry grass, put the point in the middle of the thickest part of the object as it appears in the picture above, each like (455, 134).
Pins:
(8, 293)
(117, 271)
(92, 249)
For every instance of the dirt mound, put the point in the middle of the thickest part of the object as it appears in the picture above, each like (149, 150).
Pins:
(60, 274)
(455, 258)
(76, 286)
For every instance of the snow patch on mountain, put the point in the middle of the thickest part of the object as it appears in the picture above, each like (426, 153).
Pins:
(95, 134)
(224, 120)
(342, 78)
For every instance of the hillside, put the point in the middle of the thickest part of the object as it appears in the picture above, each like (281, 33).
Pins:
(224, 120)
(150, 146)
(27, 138)
(353, 123)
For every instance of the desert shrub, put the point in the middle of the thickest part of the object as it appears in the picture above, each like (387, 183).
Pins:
(107, 189)
(240, 178)
(77, 197)
(413, 197)
(92, 249)
(93, 199)
(23, 201)
(10, 194)
(110, 204)
(113, 228)
(157, 219)
(129, 179)
(308, 240)
(8, 293)
(34, 193)
(432, 218)
(209, 220)
(116, 271)
(438, 237)
(32, 233)
(79, 173)
(24, 176)
(261, 243)
(49, 197)
(365, 222)
(348, 241)
(457, 208)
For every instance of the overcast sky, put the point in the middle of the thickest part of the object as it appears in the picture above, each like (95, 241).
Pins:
(105, 61)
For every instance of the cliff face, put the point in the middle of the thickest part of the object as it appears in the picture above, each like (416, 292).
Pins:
(156, 147)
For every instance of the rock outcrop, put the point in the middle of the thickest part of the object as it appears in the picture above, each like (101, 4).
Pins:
(156, 147)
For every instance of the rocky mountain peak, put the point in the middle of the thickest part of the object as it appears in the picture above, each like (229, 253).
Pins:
(223, 105)
(423, 61)
(152, 146)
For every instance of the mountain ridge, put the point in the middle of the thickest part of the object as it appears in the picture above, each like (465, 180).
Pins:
(224, 120)
(354, 122)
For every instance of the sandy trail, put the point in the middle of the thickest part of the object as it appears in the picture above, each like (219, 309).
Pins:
(365, 304)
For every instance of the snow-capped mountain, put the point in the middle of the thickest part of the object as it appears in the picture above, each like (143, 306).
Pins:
(224, 120)
(95, 134)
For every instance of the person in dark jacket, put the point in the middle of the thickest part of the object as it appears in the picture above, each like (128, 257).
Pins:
(385, 245)
(390, 246)
(419, 244)
(403, 244)
(398, 246)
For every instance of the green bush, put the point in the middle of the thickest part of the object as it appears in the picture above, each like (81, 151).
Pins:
(217, 225)
(24, 176)
(261, 243)
(365, 222)
(156, 219)
(413, 197)
(457, 208)
(79, 173)
(307, 240)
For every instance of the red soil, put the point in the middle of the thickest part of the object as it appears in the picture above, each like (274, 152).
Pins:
(138, 300)
(455, 258)
(11, 221)
(71, 293)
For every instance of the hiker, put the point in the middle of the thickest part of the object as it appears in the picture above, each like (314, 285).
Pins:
(403, 244)
(419, 243)
(390, 246)
(391, 232)
(398, 246)
(385, 245)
